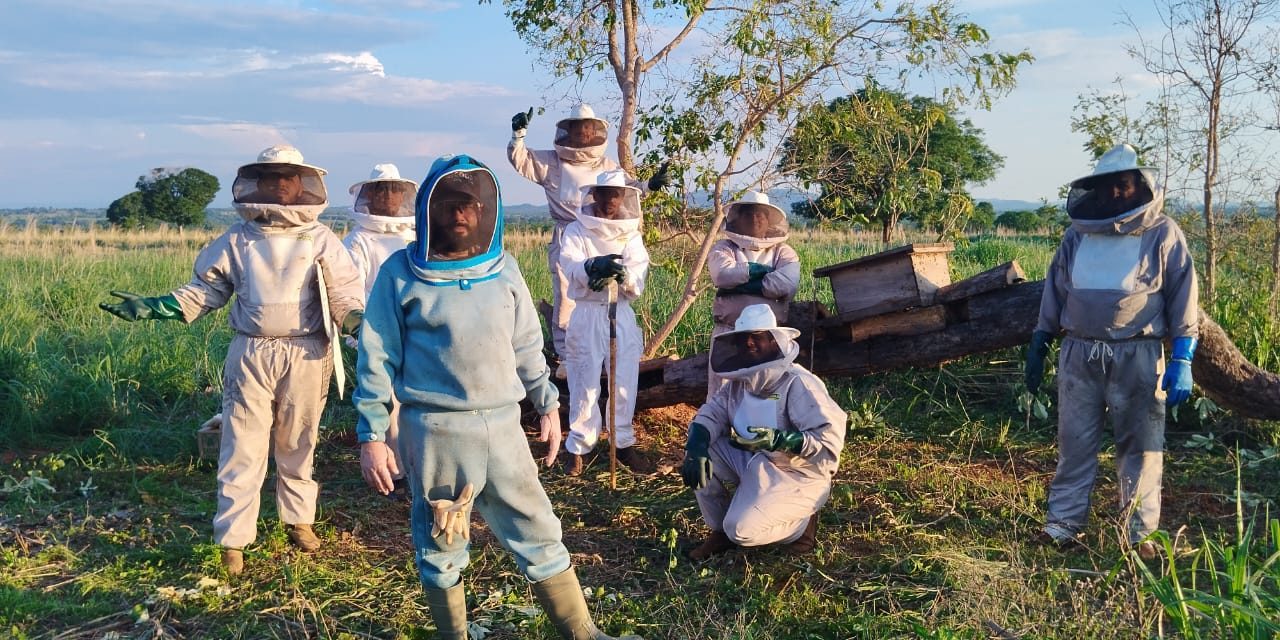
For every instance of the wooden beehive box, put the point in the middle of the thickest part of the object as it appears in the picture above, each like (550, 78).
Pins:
(893, 280)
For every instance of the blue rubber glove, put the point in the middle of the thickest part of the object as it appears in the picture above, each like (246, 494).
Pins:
(1036, 352)
(696, 468)
(1177, 375)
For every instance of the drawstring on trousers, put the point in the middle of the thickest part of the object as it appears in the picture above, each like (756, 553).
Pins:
(1101, 351)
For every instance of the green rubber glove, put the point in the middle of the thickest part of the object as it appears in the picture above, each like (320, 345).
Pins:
(1036, 352)
(696, 468)
(752, 287)
(757, 270)
(351, 323)
(770, 439)
(134, 307)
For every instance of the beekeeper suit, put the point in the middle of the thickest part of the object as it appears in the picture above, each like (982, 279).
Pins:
(451, 332)
(384, 224)
(773, 431)
(752, 264)
(276, 376)
(575, 162)
(1120, 284)
(601, 247)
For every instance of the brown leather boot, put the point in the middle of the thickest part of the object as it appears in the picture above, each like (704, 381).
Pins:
(807, 540)
(634, 460)
(233, 561)
(715, 544)
(449, 612)
(303, 537)
(561, 597)
(574, 464)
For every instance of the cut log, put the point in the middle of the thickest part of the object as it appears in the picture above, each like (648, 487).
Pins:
(1229, 379)
(900, 323)
(999, 277)
(989, 321)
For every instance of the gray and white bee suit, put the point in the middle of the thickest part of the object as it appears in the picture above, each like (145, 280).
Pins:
(1116, 288)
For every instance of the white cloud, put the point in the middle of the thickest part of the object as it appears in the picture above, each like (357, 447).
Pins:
(395, 91)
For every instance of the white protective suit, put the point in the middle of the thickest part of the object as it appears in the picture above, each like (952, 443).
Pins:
(777, 491)
(374, 239)
(276, 376)
(1120, 283)
(755, 232)
(587, 339)
(562, 173)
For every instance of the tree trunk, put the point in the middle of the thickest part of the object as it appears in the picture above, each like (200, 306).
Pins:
(985, 322)
(1275, 258)
(1211, 176)
(628, 86)
(690, 294)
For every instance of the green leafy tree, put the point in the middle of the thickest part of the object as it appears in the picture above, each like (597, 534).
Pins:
(983, 218)
(127, 211)
(1046, 216)
(1022, 220)
(178, 199)
(725, 117)
(880, 157)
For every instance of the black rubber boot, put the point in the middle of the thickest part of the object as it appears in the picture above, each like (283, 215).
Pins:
(449, 612)
(561, 597)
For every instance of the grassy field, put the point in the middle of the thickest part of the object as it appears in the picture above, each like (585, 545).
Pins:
(105, 511)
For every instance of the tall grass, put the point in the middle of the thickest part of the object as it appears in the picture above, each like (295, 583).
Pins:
(1224, 589)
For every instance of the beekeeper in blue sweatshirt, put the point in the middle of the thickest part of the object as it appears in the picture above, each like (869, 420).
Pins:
(452, 334)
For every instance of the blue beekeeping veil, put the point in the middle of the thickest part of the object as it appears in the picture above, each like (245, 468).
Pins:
(458, 216)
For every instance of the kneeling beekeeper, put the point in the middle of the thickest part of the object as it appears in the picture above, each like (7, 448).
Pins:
(451, 332)
(772, 430)
(276, 376)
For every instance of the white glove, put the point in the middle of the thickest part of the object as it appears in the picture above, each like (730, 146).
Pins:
(452, 517)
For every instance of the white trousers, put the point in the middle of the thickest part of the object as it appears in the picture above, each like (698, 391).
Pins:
(587, 346)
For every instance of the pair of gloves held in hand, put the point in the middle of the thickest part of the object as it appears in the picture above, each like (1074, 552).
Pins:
(696, 470)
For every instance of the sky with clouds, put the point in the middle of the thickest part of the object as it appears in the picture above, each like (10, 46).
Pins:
(94, 94)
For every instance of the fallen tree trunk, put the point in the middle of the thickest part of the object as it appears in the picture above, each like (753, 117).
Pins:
(985, 322)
